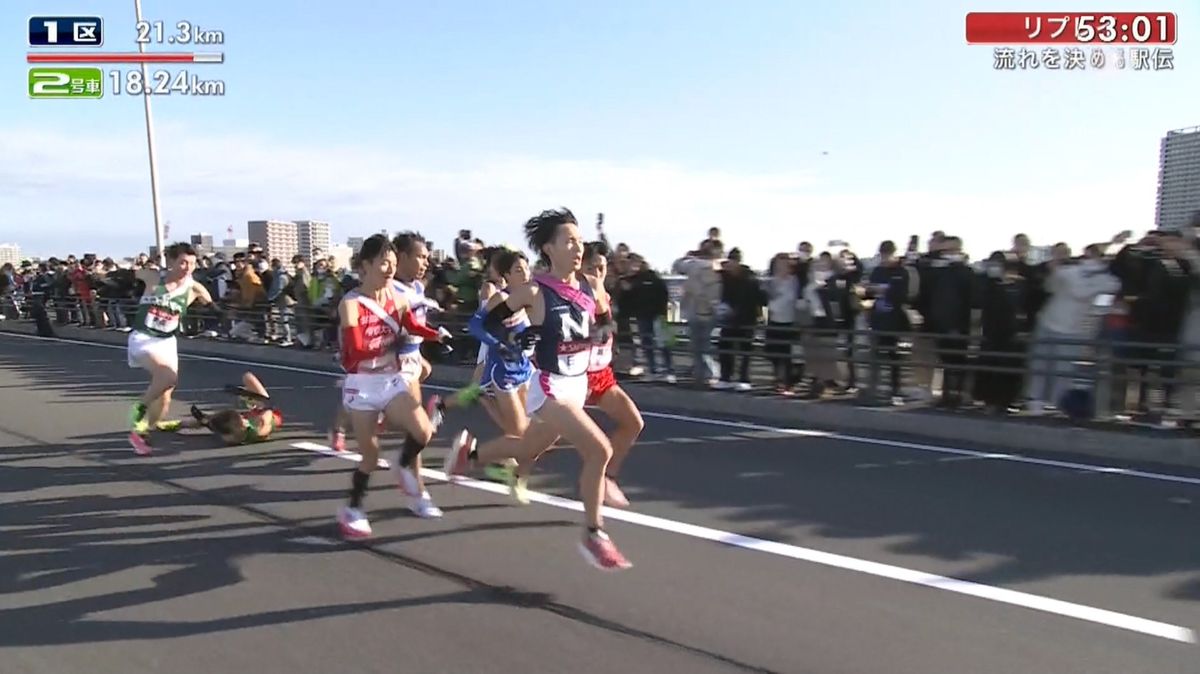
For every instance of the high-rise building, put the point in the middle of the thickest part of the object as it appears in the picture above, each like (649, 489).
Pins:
(313, 238)
(10, 253)
(278, 238)
(355, 243)
(203, 243)
(1178, 178)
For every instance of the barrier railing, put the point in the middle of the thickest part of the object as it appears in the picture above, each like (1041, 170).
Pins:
(866, 364)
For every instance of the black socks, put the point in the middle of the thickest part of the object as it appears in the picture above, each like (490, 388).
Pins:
(411, 450)
(358, 488)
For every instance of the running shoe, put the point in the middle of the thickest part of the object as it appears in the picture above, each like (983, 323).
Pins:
(599, 551)
(460, 455)
(424, 508)
(500, 472)
(169, 425)
(613, 496)
(519, 489)
(137, 419)
(141, 444)
(433, 407)
(406, 479)
(337, 441)
(353, 523)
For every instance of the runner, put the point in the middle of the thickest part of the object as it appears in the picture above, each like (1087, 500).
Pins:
(561, 310)
(506, 374)
(474, 392)
(255, 421)
(374, 318)
(603, 390)
(412, 263)
(151, 344)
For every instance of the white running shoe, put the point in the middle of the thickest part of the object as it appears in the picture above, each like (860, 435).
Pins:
(406, 479)
(424, 508)
(353, 523)
(459, 457)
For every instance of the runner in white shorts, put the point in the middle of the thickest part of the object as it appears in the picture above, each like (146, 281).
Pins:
(152, 345)
(374, 318)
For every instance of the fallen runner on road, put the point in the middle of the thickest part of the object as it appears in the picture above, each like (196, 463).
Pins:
(254, 420)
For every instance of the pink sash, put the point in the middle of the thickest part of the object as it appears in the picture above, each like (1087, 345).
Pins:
(576, 296)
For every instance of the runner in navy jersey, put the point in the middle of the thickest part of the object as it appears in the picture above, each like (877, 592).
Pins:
(561, 311)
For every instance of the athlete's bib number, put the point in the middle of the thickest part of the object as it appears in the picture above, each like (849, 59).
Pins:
(601, 356)
(161, 319)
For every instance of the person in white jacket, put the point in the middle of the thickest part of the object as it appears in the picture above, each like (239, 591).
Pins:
(1069, 314)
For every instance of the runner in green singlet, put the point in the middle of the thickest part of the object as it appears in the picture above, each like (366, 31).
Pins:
(152, 342)
(254, 421)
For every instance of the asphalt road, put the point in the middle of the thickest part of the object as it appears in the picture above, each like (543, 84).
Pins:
(754, 550)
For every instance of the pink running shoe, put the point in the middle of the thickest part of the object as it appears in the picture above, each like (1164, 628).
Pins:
(141, 445)
(433, 407)
(337, 441)
(599, 551)
(460, 455)
(613, 496)
(353, 523)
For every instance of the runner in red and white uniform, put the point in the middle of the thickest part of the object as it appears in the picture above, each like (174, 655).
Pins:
(373, 319)
(603, 390)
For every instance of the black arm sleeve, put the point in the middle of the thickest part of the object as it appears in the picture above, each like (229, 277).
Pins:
(494, 322)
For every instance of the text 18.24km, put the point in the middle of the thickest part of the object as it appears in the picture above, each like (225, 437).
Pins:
(162, 83)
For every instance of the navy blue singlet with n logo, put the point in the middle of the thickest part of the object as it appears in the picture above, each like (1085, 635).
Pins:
(565, 346)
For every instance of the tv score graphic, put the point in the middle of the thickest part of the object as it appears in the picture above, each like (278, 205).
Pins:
(1056, 40)
(66, 31)
(67, 78)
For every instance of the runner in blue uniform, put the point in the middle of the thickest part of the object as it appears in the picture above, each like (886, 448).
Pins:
(507, 370)
(561, 308)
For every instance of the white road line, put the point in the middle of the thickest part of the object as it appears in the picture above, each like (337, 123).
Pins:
(329, 451)
(930, 580)
(934, 581)
(741, 425)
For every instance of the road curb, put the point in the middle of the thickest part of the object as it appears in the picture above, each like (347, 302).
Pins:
(1010, 434)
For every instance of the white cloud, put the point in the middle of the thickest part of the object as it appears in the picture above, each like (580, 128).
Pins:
(96, 196)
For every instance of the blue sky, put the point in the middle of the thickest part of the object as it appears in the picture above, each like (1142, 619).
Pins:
(668, 116)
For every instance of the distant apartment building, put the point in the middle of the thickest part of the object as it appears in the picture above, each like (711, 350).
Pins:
(278, 238)
(1178, 178)
(313, 238)
(341, 255)
(355, 243)
(10, 253)
(203, 243)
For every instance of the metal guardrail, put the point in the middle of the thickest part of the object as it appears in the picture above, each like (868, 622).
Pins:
(862, 358)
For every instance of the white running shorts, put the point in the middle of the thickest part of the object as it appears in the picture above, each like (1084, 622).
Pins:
(566, 389)
(372, 392)
(144, 350)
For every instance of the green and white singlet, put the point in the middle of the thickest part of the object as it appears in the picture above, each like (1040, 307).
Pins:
(161, 313)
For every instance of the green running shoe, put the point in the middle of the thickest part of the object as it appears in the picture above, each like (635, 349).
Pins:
(137, 419)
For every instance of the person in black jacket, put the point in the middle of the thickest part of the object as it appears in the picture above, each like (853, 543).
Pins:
(945, 302)
(889, 286)
(742, 302)
(1002, 295)
(646, 299)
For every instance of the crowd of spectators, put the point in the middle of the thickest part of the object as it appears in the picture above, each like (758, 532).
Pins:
(1010, 332)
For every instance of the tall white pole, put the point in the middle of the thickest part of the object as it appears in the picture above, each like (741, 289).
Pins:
(158, 224)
